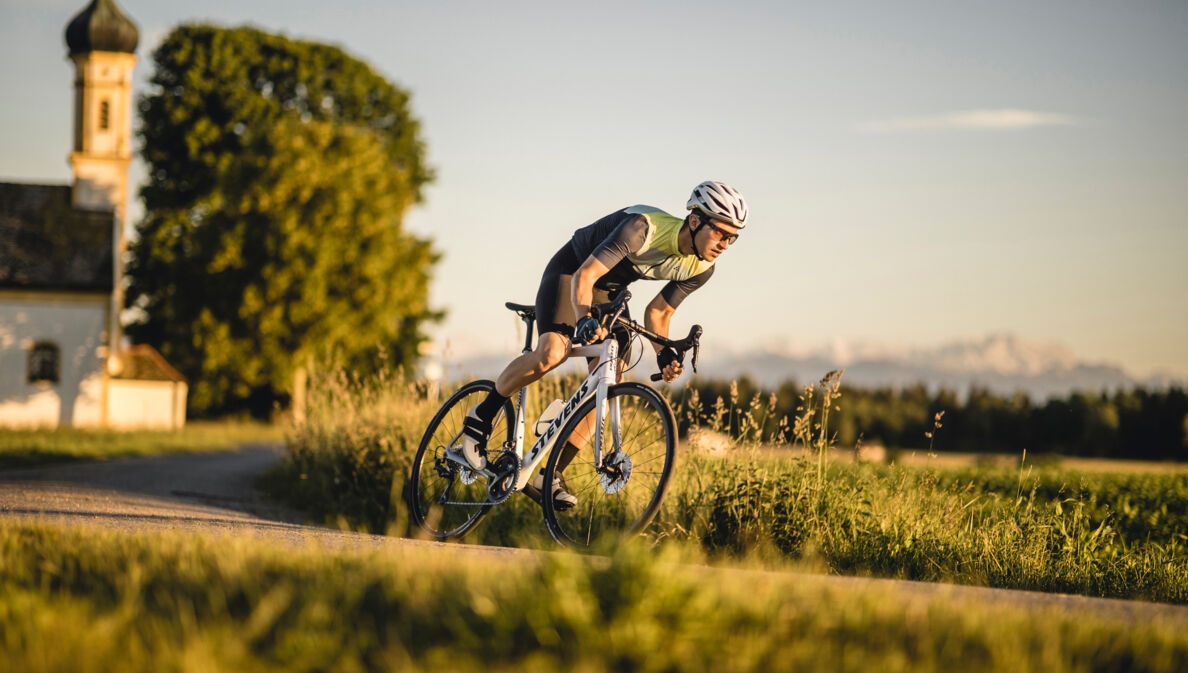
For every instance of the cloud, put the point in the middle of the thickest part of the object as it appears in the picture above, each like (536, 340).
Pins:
(972, 120)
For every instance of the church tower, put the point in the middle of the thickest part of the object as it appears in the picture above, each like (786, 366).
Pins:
(102, 44)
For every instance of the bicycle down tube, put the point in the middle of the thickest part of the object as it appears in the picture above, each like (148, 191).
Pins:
(596, 383)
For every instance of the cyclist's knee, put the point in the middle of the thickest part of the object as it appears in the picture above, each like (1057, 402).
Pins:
(552, 350)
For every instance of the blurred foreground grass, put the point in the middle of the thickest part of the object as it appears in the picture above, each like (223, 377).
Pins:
(22, 448)
(75, 600)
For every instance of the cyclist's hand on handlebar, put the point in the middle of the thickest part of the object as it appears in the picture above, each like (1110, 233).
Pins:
(672, 371)
(588, 331)
(669, 363)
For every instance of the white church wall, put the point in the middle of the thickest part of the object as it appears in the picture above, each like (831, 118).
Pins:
(75, 324)
(157, 405)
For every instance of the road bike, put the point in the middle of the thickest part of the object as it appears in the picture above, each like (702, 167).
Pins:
(625, 433)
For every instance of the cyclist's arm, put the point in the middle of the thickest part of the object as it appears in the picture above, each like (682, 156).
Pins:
(656, 318)
(630, 236)
(583, 285)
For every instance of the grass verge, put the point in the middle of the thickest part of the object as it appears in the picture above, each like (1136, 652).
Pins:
(73, 600)
(24, 448)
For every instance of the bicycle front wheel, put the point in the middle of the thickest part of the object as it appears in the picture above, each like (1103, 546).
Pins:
(446, 499)
(620, 495)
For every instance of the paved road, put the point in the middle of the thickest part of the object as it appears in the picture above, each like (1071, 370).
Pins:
(215, 493)
(211, 492)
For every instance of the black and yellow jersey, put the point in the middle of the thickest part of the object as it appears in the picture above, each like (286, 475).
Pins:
(641, 242)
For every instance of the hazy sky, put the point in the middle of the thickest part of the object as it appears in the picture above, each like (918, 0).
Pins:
(917, 172)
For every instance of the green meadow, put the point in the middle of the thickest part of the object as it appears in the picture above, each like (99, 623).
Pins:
(24, 448)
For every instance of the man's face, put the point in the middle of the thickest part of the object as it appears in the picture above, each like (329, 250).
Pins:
(714, 237)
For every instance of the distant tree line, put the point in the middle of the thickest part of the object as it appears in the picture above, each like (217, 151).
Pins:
(1137, 423)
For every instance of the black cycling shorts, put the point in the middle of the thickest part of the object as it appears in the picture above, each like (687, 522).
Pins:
(554, 303)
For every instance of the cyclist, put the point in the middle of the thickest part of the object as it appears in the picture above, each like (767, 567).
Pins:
(640, 242)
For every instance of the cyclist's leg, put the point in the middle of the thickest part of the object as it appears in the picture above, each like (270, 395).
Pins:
(554, 324)
(550, 352)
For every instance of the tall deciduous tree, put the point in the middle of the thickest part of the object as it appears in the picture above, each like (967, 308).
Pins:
(279, 173)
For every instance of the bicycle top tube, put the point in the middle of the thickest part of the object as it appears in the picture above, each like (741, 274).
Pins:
(602, 311)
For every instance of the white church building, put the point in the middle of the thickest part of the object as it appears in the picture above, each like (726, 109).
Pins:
(61, 246)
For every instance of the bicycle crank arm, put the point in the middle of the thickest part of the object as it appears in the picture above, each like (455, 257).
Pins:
(455, 456)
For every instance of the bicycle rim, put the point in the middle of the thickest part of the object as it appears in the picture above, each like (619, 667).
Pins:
(611, 505)
(440, 500)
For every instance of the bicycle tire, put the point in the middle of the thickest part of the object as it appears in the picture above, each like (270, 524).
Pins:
(427, 488)
(648, 431)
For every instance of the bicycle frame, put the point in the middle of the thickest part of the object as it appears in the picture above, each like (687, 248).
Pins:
(597, 383)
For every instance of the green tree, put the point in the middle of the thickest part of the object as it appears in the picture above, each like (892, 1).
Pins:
(279, 174)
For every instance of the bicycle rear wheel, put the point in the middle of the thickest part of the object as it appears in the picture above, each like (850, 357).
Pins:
(621, 496)
(446, 499)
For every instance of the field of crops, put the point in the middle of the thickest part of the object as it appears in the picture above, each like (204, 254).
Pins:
(93, 600)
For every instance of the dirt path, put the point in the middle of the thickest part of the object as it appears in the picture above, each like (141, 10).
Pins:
(215, 493)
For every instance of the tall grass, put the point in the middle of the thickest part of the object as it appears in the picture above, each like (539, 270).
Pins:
(1043, 529)
(82, 600)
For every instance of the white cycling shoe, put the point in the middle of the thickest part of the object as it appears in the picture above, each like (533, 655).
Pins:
(475, 434)
(562, 499)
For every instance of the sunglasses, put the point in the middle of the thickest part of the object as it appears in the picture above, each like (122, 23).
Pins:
(723, 235)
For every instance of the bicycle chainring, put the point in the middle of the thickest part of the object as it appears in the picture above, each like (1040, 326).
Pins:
(507, 471)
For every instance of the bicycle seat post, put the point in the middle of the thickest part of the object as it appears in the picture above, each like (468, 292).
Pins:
(529, 322)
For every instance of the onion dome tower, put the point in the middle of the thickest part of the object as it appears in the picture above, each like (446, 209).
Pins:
(102, 43)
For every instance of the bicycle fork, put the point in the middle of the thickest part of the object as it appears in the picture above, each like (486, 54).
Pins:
(600, 405)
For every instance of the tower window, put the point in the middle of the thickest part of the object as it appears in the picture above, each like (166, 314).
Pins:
(45, 362)
(104, 115)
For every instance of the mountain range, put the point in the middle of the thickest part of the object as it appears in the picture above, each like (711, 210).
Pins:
(1001, 362)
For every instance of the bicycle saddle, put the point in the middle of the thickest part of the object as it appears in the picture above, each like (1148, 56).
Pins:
(523, 309)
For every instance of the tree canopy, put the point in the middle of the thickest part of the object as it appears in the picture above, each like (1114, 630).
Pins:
(279, 174)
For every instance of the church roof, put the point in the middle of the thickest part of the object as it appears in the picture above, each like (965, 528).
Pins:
(45, 244)
(143, 363)
(101, 26)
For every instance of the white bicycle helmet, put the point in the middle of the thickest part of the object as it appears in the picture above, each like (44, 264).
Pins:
(720, 201)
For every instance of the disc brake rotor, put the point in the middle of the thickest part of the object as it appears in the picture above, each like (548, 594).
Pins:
(615, 473)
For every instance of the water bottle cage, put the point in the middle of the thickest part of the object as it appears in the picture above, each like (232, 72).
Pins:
(547, 416)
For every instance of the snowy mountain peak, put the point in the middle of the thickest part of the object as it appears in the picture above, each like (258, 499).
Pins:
(1002, 353)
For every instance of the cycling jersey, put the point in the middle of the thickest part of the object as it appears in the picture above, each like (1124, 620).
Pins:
(634, 243)
(641, 242)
